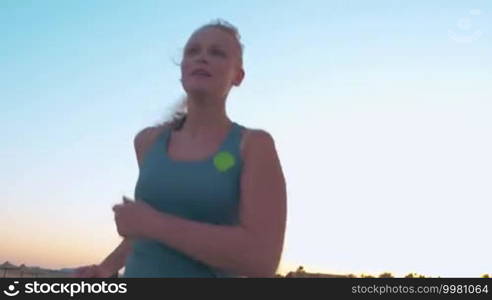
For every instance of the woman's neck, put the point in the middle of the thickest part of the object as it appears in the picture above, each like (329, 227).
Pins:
(206, 117)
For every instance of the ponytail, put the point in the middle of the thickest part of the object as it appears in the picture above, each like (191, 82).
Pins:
(178, 118)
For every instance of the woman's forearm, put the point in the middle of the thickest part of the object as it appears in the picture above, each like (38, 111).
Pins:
(116, 260)
(228, 248)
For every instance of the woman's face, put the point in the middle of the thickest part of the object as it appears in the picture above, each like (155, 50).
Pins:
(211, 63)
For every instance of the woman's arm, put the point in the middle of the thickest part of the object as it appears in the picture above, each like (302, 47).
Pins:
(116, 260)
(252, 248)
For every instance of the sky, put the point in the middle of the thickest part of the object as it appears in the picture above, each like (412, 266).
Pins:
(380, 112)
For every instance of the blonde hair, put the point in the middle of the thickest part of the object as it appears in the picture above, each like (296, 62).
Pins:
(178, 118)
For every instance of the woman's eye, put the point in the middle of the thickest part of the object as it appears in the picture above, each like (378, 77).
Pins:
(191, 51)
(218, 52)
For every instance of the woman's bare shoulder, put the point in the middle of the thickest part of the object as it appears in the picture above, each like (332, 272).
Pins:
(150, 133)
(145, 137)
(252, 136)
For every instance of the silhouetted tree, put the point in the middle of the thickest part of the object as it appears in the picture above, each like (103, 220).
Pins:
(386, 275)
(414, 275)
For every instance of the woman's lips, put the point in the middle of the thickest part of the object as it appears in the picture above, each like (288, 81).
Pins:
(201, 72)
(201, 75)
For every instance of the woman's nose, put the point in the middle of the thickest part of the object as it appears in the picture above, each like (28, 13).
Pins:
(202, 58)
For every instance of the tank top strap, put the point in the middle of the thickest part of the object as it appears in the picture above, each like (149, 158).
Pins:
(164, 135)
(233, 142)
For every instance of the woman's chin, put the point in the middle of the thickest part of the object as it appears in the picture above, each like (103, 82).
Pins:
(197, 92)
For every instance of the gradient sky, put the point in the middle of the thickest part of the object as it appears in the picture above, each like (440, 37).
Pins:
(380, 111)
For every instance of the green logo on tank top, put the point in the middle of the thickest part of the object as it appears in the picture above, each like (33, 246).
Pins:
(223, 161)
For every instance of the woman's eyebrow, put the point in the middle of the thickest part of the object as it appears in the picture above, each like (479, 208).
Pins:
(194, 44)
(216, 45)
